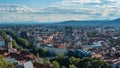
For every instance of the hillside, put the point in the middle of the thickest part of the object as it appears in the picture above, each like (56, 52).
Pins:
(115, 22)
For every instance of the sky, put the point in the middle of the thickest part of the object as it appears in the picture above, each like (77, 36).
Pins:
(30, 3)
(59, 10)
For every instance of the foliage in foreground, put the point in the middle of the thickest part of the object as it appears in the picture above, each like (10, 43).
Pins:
(4, 64)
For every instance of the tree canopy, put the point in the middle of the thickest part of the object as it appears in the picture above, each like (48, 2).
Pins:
(4, 64)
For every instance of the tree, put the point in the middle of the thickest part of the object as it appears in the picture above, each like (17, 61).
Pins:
(85, 62)
(72, 66)
(63, 67)
(100, 64)
(44, 52)
(38, 55)
(73, 60)
(3, 34)
(36, 49)
(20, 41)
(92, 63)
(62, 60)
(47, 61)
(105, 65)
(55, 64)
(4, 64)
(23, 42)
(60, 56)
(91, 34)
(15, 44)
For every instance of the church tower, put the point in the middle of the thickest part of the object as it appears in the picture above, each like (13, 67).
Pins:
(9, 45)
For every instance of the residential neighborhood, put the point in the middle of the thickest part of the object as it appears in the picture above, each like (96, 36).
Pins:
(94, 42)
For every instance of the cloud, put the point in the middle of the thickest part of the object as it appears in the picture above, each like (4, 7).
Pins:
(41, 17)
(14, 8)
(105, 8)
(73, 3)
(63, 10)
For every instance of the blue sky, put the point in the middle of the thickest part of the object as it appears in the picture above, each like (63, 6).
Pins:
(61, 10)
(30, 3)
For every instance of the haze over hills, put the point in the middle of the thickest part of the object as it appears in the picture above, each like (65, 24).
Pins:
(115, 22)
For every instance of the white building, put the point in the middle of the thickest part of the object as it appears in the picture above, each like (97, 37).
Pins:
(2, 42)
(28, 64)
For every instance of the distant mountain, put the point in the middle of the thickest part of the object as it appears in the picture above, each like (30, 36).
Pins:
(115, 22)
(14, 8)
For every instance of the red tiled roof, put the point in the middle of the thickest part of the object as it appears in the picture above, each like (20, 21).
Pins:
(3, 51)
(21, 56)
(38, 65)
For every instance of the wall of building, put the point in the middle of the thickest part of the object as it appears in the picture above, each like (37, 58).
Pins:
(2, 42)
